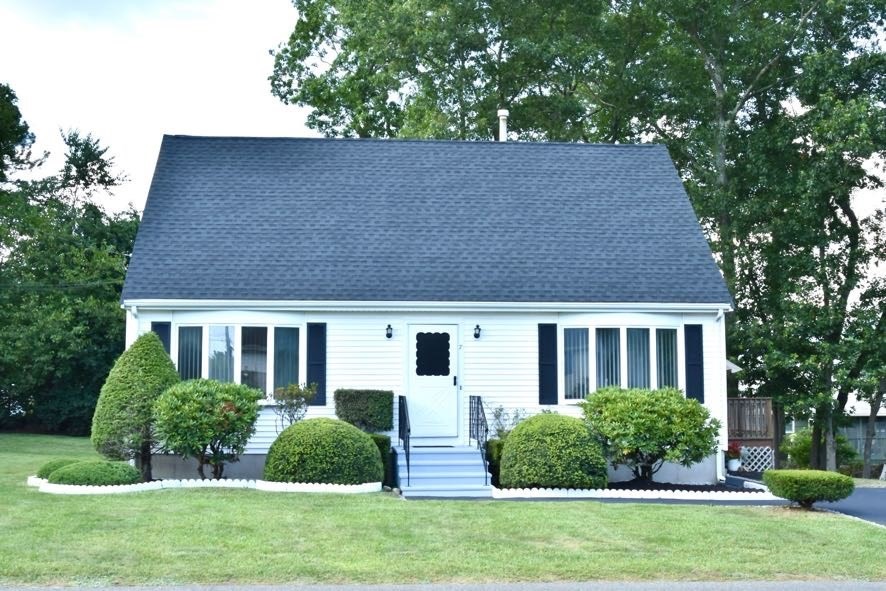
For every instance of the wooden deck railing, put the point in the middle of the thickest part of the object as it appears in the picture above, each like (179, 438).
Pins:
(750, 418)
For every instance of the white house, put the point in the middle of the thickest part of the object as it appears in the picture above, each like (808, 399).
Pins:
(528, 274)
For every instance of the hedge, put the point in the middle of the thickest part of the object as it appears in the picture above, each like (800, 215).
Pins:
(324, 451)
(494, 448)
(368, 410)
(53, 465)
(96, 473)
(552, 451)
(808, 486)
(384, 447)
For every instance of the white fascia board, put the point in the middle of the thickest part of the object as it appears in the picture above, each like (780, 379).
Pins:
(357, 306)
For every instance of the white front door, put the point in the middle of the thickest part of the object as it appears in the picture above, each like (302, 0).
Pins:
(433, 381)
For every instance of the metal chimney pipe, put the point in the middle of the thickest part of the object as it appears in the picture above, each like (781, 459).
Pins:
(503, 125)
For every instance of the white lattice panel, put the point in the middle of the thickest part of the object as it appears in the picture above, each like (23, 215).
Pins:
(757, 459)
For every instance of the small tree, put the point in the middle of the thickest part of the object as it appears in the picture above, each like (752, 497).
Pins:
(208, 421)
(122, 426)
(291, 403)
(643, 429)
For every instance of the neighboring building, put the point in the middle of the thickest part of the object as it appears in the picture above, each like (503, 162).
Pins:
(858, 412)
(525, 273)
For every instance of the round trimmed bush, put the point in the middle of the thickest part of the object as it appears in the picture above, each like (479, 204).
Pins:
(325, 451)
(552, 451)
(97, 473)
(808, 486)
(53, 465)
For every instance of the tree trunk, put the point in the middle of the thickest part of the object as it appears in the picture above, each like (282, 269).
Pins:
(144, 460)
(869, 430)
(816, 450)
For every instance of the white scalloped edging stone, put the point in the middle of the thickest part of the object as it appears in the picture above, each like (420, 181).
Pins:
(75, 489)
(608, 493)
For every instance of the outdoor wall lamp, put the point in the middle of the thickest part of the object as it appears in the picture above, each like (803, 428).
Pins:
(389, 332)
(477, 332)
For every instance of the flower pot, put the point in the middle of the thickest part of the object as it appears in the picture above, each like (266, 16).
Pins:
(733, 464)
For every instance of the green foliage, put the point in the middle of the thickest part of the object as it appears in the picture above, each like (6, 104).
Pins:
(15, 135)
(798, 448)
(502, 421)
(643, 429)
(62, 263)
(324, 451)
(767, 107)
(369, 410)
(494, 448)
(207, 420)
(96, 473)
(383, 442)
(552, 451)
(808, 486)
(53, 465)
(122, 427)
(291, 403)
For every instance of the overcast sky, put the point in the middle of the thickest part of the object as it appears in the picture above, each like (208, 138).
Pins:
(129, 71)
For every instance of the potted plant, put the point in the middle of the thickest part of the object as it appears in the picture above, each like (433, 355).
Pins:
(733, 456)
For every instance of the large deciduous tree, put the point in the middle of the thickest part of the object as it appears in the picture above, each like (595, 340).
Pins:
(62, 262)
(770, 108)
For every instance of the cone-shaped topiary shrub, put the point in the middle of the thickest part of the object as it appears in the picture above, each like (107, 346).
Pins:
(53, 465)
(807, 487)
(122, 426)
(324, 451)
(552, 451)
(96, 473)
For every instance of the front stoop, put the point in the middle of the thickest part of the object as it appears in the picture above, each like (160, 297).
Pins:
(443, 472)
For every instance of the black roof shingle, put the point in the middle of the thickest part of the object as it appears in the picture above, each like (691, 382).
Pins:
(394, 220)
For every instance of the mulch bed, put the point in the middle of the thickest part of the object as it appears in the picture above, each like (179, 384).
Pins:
(644, 485)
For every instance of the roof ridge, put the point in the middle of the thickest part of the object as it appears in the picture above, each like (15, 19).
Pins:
(643, 145)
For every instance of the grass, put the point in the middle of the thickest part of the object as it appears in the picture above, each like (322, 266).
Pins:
(242, 536)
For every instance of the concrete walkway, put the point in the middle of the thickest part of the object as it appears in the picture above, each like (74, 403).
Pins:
(810, 585)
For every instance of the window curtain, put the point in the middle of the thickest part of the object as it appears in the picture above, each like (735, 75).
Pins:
(608, 357)
(190, 352)
(575, 345)
(666, 357)
(285, 357)
(638, 358)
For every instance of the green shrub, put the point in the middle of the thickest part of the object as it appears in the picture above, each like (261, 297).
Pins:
(643, 429)
(291, 403)
(122, 426)
(798, 448)
(368, 410)
(324, 450)
(53, 465)
(494, 448)
(552, 451)
(808, 486)
(97, 473)
(384, 447)
(207, 420)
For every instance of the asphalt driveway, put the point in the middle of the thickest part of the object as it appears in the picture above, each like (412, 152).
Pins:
(864, 503)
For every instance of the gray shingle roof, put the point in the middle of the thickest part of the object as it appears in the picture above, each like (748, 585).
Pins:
(387, 220)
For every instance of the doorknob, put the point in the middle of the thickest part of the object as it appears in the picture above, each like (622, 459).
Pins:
(455, 380)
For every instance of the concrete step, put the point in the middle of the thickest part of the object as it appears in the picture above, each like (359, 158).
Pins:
(448, 491)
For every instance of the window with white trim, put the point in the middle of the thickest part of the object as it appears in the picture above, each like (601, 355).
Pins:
(260, 356)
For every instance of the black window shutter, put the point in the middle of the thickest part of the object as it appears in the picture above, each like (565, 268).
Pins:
(317, 361)
(163, 330)
(547, 364)
(694, 352)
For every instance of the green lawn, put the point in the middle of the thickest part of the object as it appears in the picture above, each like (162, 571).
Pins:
(227, 536)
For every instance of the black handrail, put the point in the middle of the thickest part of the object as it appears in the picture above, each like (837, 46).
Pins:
(405, 430)
(480, 431)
